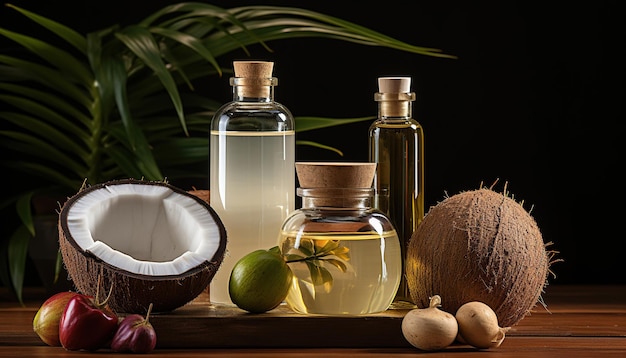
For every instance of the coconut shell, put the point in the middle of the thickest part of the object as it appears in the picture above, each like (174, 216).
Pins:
(131, 292)
(478, 246)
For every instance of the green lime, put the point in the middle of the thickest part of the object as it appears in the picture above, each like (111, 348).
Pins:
(260, 281)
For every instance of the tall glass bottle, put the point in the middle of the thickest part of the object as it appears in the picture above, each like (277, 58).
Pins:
(252, 167)
(396, 144)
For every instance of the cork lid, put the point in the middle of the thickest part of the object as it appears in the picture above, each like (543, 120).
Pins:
(253, 78)
(335, 174)
(394, 95)
(394, 84)
(253, 69)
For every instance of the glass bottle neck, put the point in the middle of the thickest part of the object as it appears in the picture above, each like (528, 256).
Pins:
(395, 104)
(253, 89)
(352, 198)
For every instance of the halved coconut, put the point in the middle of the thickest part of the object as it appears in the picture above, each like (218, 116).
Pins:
(153, 242)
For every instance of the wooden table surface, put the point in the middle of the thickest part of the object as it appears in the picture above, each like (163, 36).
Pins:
(580, 321)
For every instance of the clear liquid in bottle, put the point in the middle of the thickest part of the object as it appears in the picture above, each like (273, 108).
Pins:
(252, 168)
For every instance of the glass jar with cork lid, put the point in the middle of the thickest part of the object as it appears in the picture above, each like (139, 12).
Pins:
(345, 254)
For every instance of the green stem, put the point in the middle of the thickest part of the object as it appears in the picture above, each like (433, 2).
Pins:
(95, 159)
(308, 258)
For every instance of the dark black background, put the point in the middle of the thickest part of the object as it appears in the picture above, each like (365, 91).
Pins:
(535, 100)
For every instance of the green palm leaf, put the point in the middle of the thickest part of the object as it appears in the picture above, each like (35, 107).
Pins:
(311, 123)
(46, 98)
(67, 64)
(26, 71)
(192, 42)
(120, 102)
(319, 145)
(42, 131)
(24, 211)
(72, 37)
(40, 151)
(141, 42)
(17, 250)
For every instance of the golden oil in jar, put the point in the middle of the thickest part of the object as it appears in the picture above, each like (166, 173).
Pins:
(345, 255)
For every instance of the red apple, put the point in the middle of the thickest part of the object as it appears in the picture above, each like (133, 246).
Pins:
(46, 321)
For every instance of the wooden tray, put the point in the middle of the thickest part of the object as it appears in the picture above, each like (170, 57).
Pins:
(571, 311)
(202, 325)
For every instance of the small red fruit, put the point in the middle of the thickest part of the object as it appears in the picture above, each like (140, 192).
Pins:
(86, 323)
(46, 321)
(135, 334)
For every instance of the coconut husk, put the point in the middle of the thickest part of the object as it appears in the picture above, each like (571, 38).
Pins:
(131, 292)
(483, 246)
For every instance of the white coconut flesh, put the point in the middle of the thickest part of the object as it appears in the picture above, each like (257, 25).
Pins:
(144, 229)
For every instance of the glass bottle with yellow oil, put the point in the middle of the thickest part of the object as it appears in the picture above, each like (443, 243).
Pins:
(396, 144)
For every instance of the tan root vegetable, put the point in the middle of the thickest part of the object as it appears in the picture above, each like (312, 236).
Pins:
(429, 329)
(478, 326)
(483, 246)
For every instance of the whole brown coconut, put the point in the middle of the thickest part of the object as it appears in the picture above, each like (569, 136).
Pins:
(151, 242)
(479, 246)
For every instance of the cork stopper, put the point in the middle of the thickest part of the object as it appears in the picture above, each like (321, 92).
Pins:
(335, 174)
(331, 184)
(253, 78)
(394, 84)
(253, 69)
(395, 96)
